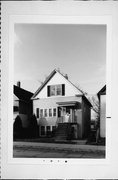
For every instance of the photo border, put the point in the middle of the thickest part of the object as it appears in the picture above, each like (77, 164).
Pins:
(105, 13)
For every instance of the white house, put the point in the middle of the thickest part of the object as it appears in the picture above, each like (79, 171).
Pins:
(59, 104)
(102, 101)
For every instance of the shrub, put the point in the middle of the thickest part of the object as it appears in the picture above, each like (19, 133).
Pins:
(33, 127)
(17, 128)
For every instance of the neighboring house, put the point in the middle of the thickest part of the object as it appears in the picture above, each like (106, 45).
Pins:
(102, 101)
(59, 103)
(22, 105)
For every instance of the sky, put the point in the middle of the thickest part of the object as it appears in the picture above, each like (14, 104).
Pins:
(77, 50)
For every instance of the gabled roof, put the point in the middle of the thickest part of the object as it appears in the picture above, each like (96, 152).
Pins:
(22, 94)
(102, 91)
(48, 79)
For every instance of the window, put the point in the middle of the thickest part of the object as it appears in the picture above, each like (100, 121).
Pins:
(41, 112)
(50, 112)
(48, 130)
(16, 109)
(42, 130)
(54, 112)
(37, 112)
(56, 90)
(59, 90)
(52, 90)
(53, 128)
(45, 112)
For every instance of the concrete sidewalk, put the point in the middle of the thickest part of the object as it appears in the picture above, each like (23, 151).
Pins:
(64, 147)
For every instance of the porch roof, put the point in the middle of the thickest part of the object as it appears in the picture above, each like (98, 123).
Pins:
(68, 103)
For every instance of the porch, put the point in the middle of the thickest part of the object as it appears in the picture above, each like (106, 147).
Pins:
(67, 111)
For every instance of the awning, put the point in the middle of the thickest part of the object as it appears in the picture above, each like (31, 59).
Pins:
(67, 103)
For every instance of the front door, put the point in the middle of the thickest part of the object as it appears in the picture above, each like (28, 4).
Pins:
(71, 114)
(67, 114)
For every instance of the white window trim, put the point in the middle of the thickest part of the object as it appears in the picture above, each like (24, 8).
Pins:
(47, 112)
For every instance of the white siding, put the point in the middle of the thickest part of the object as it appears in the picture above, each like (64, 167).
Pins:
(102, 116)
(51, 103)
(70, 90)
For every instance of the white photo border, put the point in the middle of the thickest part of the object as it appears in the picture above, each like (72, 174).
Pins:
(83, 13)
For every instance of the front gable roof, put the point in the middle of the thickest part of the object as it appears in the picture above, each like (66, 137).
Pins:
(48, 79)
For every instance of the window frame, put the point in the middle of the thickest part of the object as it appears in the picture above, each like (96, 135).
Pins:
(56, 86)
(51, 112)
(46, 112)
(55, 112)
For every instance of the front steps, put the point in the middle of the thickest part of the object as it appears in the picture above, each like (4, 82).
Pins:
(62, 132)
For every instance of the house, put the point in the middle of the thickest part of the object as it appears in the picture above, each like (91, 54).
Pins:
(102, 101)
(59, 104)
(22, 105)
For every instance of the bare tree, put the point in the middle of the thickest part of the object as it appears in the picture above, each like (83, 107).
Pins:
(96, 107)
(81, 89)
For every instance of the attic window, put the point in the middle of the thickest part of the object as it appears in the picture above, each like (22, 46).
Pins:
(56, 90)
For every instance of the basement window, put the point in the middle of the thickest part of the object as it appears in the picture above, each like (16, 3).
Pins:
(42, 130)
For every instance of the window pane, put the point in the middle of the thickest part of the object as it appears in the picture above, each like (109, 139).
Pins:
(41, 112)
(54, 112)
(50, 112)
(45, 112)
(59, 90)
(52, 90)
(48, 130)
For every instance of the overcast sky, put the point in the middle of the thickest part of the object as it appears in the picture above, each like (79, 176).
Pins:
(77, 50)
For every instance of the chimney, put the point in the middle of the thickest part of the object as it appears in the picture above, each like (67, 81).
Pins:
(66, 76)
(18, 84)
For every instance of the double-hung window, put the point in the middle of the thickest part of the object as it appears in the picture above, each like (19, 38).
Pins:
(54, 112)
(45, 112)
(56, 90)
(41, 112)
(50, 112)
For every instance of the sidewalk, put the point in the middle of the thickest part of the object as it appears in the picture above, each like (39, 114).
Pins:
(64, 147)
